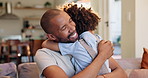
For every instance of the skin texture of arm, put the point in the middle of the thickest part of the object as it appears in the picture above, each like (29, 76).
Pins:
(50, 45)
(117, 71)
(92, 69)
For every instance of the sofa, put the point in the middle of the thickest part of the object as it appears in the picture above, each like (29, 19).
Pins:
(130, 66)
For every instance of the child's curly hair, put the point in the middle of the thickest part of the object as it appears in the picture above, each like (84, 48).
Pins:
(84, 18)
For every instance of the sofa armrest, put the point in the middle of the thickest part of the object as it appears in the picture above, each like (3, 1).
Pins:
(129, 63)
(139, 73)
(28, 70)
(8, 69)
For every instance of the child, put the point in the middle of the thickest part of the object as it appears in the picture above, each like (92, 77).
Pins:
(86, 22)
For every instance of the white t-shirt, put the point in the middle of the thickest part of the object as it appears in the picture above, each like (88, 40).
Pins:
(45, 58)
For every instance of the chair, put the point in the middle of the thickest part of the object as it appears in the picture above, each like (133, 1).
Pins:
(12, 53)
(0, 53)
(35, 45)
(4, 51)
(23, 50)
(0, 50)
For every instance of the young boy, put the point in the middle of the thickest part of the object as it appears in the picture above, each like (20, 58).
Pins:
(86, 22)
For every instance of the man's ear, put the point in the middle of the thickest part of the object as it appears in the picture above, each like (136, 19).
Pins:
(51, 37)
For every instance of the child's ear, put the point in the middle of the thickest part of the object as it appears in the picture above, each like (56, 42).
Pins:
(51, 37)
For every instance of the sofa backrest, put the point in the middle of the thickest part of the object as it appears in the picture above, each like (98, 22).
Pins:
(28, 70)
(129, 63)
(8, 69)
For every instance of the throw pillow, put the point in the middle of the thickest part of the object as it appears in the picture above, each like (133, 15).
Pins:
(144, 62)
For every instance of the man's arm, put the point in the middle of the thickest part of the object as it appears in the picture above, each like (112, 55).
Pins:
(90, 71)
(117, 71)
(54, 72)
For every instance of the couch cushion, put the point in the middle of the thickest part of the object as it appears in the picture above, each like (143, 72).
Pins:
(129, 63)
(28, 70)
(8, 69)
(139, 73)
(128, 71)
(144, 63)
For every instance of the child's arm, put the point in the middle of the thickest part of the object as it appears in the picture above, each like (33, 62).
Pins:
(50, 45)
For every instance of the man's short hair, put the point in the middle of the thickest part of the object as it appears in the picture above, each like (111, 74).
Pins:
(45, 19)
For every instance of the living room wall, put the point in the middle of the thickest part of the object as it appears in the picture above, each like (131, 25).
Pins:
(134, 28)
(141, 26)
(13, 27)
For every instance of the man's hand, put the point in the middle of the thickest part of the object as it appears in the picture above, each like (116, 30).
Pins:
(105, 48)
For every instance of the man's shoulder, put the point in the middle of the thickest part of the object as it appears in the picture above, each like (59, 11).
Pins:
(45, 57)
(45, 51)
(48, 52)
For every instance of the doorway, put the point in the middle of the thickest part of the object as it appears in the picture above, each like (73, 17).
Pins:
(110, 26)
(114, 8)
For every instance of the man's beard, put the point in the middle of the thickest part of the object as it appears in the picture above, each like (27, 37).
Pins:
(65, 40)
(68, 40)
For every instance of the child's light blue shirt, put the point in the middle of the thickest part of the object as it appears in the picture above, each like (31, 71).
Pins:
(81, 59)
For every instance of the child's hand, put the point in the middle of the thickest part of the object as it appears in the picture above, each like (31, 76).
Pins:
(105, 48)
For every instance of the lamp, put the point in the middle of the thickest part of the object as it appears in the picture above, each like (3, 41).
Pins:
(8, 12)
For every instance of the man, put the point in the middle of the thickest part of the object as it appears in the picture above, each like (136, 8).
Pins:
(60, 28)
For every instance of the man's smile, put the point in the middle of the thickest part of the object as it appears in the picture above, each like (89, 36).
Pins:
(73, 35)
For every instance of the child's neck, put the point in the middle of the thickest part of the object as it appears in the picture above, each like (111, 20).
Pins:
(92, 32)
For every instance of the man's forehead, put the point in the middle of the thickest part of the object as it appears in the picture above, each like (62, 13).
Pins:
(60, 20)
(60, 17)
